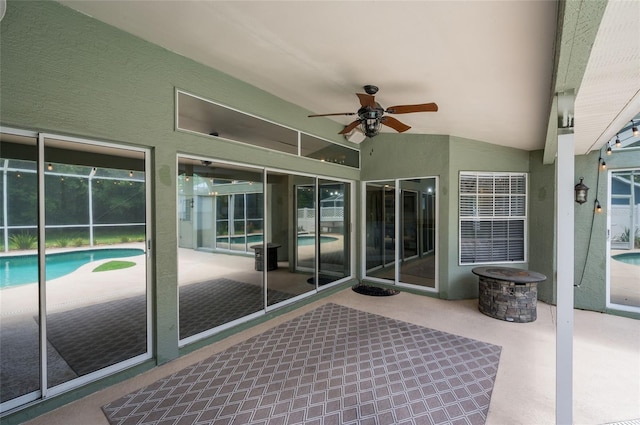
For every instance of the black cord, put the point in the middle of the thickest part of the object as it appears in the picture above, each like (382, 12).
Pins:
(593, 218)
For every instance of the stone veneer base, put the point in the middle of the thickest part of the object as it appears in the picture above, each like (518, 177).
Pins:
(505, 300)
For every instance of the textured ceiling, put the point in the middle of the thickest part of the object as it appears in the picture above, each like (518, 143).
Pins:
(609, 95)
(489, 65)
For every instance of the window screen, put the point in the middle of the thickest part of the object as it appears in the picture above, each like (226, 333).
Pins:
(493, 215)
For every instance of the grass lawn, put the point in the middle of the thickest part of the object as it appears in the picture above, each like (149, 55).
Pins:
(114, 265)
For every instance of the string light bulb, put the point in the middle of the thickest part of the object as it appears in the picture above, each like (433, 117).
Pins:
(603, 165)
(130, 173)
(634, 129)
(609, 151)
(50, 167)
(598, 208)
(618, 143)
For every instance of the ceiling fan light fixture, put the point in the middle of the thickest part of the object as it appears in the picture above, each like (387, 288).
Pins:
(371, 115)
(370, 126)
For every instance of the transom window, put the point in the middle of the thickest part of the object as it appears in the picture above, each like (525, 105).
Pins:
(493, 216)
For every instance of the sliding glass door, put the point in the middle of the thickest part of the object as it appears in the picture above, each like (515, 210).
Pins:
(74, 289)
(263, 238)
(400, 235)
(20, 349)
(623, 261)
(333, 241)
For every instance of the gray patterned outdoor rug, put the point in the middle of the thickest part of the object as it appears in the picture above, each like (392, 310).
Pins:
(100, 335)
(333, 365)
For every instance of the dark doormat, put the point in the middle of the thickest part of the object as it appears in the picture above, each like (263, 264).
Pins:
(333, 365)
(374, 291)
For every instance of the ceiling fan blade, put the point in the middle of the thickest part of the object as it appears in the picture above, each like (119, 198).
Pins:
(328, 115)
(366, 100)
(395, 124)
(406, 109)
(350, 127)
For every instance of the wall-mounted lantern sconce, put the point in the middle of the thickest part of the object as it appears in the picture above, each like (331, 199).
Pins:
(581, 192)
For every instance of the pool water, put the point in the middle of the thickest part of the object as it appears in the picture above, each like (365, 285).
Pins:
(23, 269)
(629, 258)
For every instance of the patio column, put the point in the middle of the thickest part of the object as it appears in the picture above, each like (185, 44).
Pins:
(565, 164)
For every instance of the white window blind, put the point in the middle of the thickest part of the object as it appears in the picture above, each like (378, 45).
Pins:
(493, 215)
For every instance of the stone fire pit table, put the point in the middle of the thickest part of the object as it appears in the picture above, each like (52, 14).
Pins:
(508, 294)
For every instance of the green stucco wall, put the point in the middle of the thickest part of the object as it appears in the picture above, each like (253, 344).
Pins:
(542, 218)
(471, 155)
(591, 230)
(65, 73)
(400, 156)
(387, 157)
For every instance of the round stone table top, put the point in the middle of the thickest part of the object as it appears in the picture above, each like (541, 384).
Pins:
(509, 274)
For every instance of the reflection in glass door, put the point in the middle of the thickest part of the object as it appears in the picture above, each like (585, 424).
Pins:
(19, 334)
(220, 279)
(75, 214)
(333, 242)
(415, 226)
(305, 215)
(380, 229)
(409, 217)
(624, 244)
(95, 318)
(418, 265)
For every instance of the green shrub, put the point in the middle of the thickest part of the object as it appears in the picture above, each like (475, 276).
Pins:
(62, 242)
(124, 239)
(78, 242)
(23, 241)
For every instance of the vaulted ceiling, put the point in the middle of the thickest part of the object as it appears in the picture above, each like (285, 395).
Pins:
(491, 66)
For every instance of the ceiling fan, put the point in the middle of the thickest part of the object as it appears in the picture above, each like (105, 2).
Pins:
(371, 115)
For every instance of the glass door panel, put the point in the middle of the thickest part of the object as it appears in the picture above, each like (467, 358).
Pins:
(305, 224)
(380, 229)
(374, 227)
(222, 222)
(204, 226)
(292, 230)
(333, 241)
(428, 209)
(219, 278)
(409, 217)
(19, 333)
(418, 264)
(96, 284)
(624, 228)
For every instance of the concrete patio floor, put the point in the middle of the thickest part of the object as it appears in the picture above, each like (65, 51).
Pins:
(606, 354)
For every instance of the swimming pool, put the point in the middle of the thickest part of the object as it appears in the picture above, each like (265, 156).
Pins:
(22, 269)
(629, 258)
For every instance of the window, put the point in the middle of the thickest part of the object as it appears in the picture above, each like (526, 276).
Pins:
(493, 215)
(202, 116)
